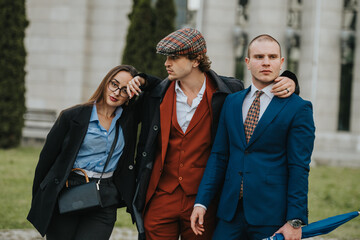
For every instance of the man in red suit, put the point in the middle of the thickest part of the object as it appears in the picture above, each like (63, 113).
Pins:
(179, 123)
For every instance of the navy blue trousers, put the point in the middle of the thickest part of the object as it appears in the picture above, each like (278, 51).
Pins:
(238, 228)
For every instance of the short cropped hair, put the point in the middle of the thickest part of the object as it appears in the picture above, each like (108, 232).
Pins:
(263, 37)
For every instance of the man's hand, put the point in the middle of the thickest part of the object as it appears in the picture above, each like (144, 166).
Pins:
(197, 220)
(289, 232)
(283, 87)
(133, 86)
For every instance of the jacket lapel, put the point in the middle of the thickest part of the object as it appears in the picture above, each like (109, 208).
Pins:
(238, 117)
(203, 106)
(275, 106)
(77, 132)
(166, 109)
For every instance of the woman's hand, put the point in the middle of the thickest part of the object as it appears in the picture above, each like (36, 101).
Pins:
(133, 86)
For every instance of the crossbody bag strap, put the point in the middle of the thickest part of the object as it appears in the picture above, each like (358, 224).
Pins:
(111, 151)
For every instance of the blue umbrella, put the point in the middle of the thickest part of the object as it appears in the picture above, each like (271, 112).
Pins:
(321, 227)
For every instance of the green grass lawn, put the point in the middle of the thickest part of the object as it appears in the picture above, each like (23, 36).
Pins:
(332, 191)
(17, 167)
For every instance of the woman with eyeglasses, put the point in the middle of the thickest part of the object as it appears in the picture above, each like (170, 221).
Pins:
(81, 138)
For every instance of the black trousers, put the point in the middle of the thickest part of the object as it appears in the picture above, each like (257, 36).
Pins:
(94, 224)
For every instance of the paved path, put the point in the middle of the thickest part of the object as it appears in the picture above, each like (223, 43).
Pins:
(118, 234)
(32, 234)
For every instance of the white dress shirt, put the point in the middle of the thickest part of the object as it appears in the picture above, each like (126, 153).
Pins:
(185, 112)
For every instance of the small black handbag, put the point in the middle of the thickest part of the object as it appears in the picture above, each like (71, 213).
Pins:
(85, 196)
(81, 197)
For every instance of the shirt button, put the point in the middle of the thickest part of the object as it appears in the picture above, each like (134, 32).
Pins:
(105, 133)
(180, 178)
(144, 154)
(56, 181)
(155, 127)
(131, 167)
(181, 165)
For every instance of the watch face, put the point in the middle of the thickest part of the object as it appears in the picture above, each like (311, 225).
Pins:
(296, 223)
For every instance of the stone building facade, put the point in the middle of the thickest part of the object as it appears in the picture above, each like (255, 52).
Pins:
(72, 44)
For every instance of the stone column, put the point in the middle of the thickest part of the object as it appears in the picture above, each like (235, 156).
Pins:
(355, 100)
(320, 66)
(217, 26)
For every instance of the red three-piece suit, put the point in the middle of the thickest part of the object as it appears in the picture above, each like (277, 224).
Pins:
(178, 167)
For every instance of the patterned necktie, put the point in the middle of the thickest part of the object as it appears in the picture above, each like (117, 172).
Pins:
(252, 116)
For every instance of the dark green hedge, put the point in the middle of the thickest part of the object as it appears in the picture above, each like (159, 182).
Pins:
(148, 25)
(12, 73)
(164, 24)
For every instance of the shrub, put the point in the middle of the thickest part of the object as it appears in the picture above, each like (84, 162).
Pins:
(148, 26)
(12, 73)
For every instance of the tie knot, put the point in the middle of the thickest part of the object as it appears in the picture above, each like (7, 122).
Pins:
(259, 93)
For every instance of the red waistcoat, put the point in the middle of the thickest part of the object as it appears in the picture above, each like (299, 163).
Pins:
(182, 157)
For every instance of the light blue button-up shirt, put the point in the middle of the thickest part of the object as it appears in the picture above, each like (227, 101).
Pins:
(97, 143)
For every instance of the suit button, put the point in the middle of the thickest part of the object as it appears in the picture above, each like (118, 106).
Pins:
(155, 127)
(246, 152)
(56, 181)
(180, 178)
(144, 154)
(160, 169)
(131, 167)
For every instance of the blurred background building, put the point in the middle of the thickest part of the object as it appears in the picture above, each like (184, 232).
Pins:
(72, 44)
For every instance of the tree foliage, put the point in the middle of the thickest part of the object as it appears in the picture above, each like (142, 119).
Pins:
(164, 24)
(139, 40)
(148, 26)
(13, 23)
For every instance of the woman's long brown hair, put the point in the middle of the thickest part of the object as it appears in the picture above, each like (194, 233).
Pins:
(98, 95)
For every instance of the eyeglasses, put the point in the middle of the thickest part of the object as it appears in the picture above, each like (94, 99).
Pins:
(114, 86)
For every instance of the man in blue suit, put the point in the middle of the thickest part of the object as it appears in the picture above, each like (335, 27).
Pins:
(260, 158)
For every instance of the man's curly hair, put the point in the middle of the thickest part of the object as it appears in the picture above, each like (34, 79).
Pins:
(203, 59)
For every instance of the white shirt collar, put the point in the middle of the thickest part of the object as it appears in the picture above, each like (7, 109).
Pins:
(266, 90)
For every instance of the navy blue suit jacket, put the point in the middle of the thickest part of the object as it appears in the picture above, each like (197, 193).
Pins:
(274, 165)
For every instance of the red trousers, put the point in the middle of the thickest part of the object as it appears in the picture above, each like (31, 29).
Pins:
(168, 216)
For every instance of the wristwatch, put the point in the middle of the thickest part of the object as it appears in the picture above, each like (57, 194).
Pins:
(295, 223)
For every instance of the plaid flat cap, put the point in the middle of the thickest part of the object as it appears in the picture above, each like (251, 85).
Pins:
(182, 42)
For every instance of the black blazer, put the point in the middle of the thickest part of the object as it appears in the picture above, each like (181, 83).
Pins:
(61, 148)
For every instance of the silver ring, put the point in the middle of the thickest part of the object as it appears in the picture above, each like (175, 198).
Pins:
(287, 90)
